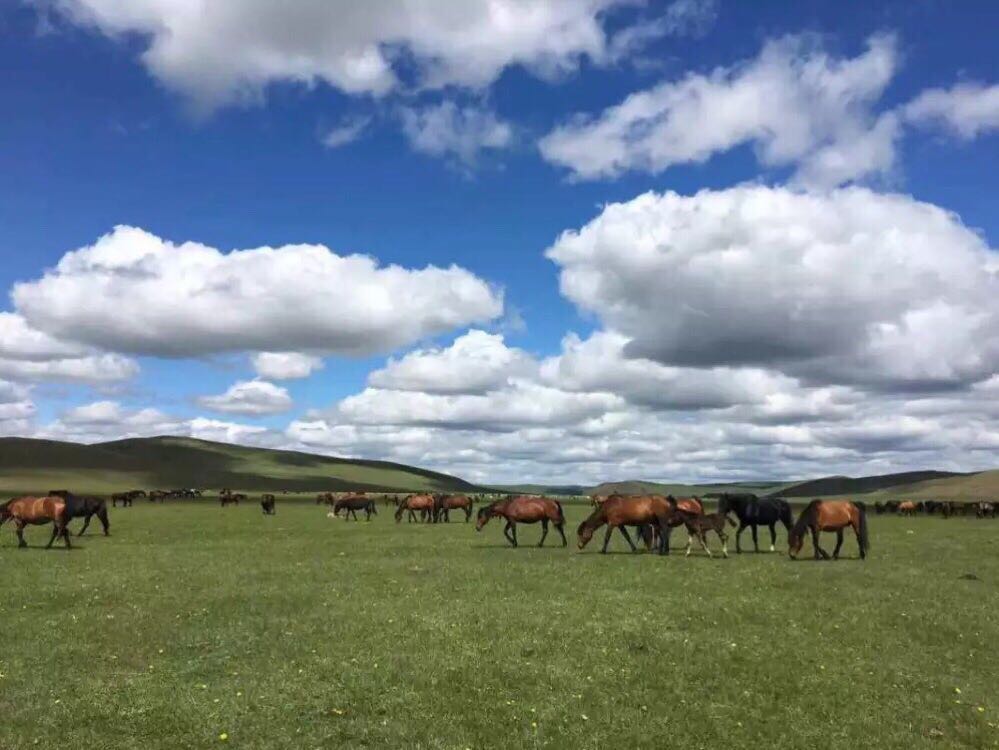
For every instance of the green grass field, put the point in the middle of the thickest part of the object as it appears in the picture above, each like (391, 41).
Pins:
(191, 623)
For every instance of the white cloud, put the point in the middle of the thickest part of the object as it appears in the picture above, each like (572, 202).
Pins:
(475, 363)
(97, 369)
(790, 102)
(285, 365)
(346, 132)
(16, 409)
(134, 292)
(967, 109)
(253, 397)
(450, 130)
(681, 18)
(230, 50)
(846, 287)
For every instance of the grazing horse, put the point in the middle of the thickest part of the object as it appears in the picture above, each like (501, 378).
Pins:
(37, 511)
(753, 512)
(524, 509)
(231, 497)
(985, 509)
(267, 503)
(125, 498)
(699, 526)
(422, 503)
(907, 508)
(160, 495)
(621, 511)
(454, 502)
(829, 515)
(86, 507)
(353, 503)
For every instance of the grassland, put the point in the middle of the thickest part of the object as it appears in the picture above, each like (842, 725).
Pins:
(297, 631)
(28, 465)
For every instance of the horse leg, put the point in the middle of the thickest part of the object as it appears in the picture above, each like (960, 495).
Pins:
(56, 531)
(558, 528)
(724, 541)
(513, 531)
(860, 544)
(86, 523)
(756, 542)
(820, 554)
(544, 531)
(506, 532)
(65, 534)
(627, 538)
(702, 537)
(607, 536)
(690, 542)
(773, 537)
(839, 543)
(738, 535)
(19, 529)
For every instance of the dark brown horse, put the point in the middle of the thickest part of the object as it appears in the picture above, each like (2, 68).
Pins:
(268, 503)
(85, 507)
(37, 511)
(447, 503)
(698, 525)
(524, 509)
(353, 503)
(644, 512)
(422, 504)
(829, 515)
(231, 497)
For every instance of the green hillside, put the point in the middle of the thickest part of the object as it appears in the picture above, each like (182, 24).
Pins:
(28, 465)
(636, 487)
(830, 486)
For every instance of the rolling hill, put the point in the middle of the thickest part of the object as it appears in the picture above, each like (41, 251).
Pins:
(30, 465)
(834, 486)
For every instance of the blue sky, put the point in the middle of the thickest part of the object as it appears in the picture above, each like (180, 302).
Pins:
(480, 156)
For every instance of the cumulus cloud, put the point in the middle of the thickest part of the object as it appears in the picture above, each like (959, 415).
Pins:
(474, 363)
(790, 102)
(252, 397)
(966, 110)
(16, 408)
(285, 365)
(453, 131)
(230, 50)
(845, 287)
(133, 292)
(346, 132)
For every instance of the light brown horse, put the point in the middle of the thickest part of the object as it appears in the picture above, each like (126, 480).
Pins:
(621, 511)
(454, 502)
(37, 511)
(424, 504)
(829, 515)
(698, 525)
(907, 508)
(524, 509)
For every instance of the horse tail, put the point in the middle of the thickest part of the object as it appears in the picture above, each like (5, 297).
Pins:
(561, 513)
(865, 540)
(786, 516)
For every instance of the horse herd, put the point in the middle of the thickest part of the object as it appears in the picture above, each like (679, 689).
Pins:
(651, 517)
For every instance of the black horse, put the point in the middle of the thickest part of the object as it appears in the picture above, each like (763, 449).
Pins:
(85, 507)
(350, 505)
(267, 503)
(754, 511)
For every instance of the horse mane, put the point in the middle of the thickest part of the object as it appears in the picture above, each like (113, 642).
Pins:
(805, 518)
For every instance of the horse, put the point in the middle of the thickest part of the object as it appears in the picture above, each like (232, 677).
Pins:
(985, 509)
(353, 503)
(267, 503)
(597, 500)
(907, 508)
(125, 498)
(86, 507)
(621, 511)
(829, 515)
(413, 503)
(754, 512)
(454, 502)
(37, 511)
(700, 525)
(325, 497)
(231, 497)
(155, 495)
(524, 509)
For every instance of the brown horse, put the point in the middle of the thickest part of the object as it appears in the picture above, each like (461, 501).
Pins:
(621, 511)
(350, 504)
(85, 507)
(829, 515)
(524, 509)
(424, 504)
(37, 511)
(447, 503)
(907, 508)
(698, 525)
(231, 497)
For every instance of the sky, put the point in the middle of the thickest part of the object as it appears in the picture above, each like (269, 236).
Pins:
(568, 241)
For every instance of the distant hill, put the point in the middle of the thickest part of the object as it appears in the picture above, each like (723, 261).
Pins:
(829, 486)
(29, 465)
(540, 489)
(638, 487)
(983, 485)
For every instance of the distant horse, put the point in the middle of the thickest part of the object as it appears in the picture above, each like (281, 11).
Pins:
(231, 497)
(985, 509)
(353, 503)
(125, 498)
(753, 511)
(85, 507)
(454, 502)
(621, 511)
(268, 503)
(699, 526)
(829, 515)
(37, 511)
(424, 504)
(160, 495)
(524, 509)
(907, 508)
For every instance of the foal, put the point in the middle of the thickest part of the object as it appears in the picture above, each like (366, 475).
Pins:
(700, 524)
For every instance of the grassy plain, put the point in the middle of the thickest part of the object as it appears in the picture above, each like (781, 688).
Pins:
(193, 626)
